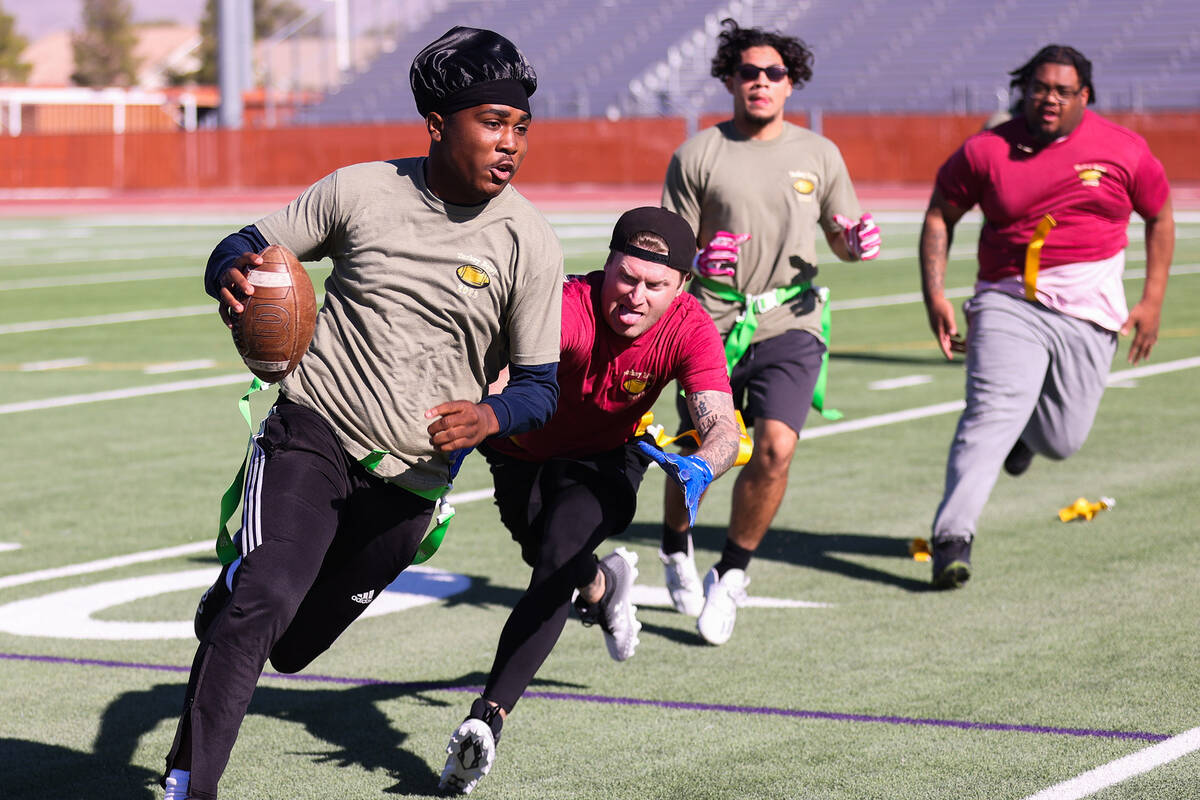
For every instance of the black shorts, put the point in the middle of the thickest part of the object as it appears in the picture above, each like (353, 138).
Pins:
(774, 380)
(526, 490)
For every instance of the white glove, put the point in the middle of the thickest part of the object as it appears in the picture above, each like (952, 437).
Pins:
(719, 255)
(862, 238)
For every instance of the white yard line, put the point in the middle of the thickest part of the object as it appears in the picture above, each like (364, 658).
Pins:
(482, 494)
(463, 497)
(91, 256)
(63, 281)
(108, 319)
(179, 366)
(1123, 769)
(967, 291)
(54, 363)
(899, 383)
(115, 562)
(193, 311)
(89, 567)
(906, 415)
(124, 394)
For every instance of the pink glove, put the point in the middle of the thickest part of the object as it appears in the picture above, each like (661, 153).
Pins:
(719, 255)
(862, 238)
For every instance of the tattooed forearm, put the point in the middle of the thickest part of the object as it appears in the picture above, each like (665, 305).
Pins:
(712, 414)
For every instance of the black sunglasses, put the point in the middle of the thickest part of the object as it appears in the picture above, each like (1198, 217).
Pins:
(775, 72)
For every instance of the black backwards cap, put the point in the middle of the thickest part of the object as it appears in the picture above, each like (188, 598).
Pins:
(674, 229)
(469, 67)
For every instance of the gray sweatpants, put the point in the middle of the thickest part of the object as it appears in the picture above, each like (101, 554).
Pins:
(1032, 374)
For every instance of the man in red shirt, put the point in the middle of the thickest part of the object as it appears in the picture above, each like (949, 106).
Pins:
(1056, 186)
(627, 333)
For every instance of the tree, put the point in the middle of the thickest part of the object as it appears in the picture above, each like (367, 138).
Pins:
(269, 17)
(104, 51)
(12, 44)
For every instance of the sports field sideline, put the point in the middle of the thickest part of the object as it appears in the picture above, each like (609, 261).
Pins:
(1065, 669)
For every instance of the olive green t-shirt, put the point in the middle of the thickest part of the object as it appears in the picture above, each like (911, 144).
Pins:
(782, 192)
(426, 302)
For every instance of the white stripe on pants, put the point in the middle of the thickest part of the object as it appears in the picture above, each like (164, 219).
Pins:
(1033, 374)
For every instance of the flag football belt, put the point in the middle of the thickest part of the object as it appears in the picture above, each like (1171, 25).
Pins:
(227, 552)
(658, 433)
(737, 341)
(1033, 255)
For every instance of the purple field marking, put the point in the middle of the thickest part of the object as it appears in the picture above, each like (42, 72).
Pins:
(420, 686)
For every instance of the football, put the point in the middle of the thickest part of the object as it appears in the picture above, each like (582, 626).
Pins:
(274, 330)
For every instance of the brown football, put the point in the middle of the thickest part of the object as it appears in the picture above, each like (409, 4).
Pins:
(274, 330)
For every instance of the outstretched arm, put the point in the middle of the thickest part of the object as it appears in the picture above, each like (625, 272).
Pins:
(712, 414)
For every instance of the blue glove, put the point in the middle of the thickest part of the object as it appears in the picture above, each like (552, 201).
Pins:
(691, 473)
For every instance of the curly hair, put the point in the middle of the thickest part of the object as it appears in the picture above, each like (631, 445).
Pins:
(1055, 54)
(734, 40)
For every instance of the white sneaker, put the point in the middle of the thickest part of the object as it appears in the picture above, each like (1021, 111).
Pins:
(721, 600)
(683, 582)
(472, 751)
(618, 617)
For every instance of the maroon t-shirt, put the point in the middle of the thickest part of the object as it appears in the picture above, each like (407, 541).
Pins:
(1088, 181)
(607, 382)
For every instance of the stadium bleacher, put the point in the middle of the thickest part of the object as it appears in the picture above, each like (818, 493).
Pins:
(621, 58)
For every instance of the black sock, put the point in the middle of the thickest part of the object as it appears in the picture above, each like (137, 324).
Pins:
(482, 709)
(674, 541)
(733, 557)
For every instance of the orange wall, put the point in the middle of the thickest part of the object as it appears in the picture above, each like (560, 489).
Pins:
(877, 148)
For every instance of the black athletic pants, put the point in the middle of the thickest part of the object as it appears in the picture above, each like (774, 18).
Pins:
(559, 511)
(319, 536)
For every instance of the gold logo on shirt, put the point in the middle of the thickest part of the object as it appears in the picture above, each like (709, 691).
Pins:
(636, 382)
(473, 276)
(805, 183)
(1090, 174)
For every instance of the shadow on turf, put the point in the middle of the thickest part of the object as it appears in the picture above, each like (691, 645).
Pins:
(350, 719)
(802, 548)
(935, 360)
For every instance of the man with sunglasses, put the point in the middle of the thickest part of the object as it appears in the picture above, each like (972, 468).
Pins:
(1056, 185)
(756, 189)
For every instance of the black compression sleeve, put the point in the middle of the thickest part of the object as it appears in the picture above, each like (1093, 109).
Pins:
(528, 400)
(247, 240)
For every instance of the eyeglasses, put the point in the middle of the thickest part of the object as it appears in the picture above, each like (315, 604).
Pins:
(775, 73)
(1039, 91)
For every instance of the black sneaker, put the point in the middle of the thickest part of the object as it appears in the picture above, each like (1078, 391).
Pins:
(211, 602)
(1018, 459)
(951, 563)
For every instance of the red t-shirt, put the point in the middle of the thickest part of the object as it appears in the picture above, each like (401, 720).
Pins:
(1089, 181)
(606, 382)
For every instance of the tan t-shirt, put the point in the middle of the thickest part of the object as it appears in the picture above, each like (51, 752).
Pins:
(778, 191)
(426, 303)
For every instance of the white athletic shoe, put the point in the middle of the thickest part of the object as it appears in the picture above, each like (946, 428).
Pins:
(471, 753)
(683, 582)
(618, 617)
(721, 600)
